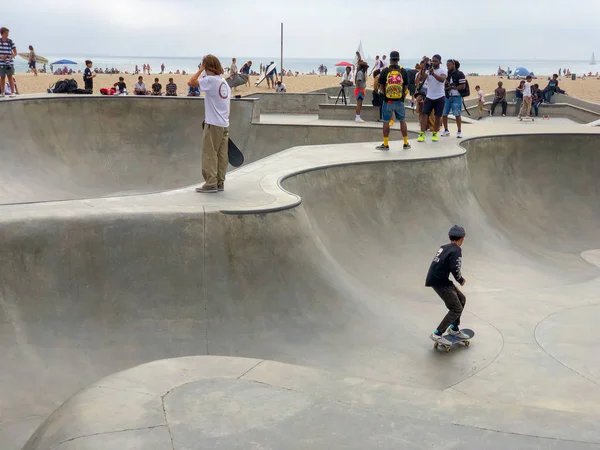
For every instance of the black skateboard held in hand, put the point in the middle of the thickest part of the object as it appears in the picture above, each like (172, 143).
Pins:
(235, 155)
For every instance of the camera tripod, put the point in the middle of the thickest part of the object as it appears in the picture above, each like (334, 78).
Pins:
(342, 94)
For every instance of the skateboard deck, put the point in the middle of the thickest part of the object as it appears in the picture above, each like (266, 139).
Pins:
(234, 154)
(456, 340)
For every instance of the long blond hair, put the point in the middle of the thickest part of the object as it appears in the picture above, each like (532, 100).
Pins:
(212, 64)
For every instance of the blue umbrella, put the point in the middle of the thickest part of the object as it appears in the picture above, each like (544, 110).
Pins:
(62, 62)
(521, 72)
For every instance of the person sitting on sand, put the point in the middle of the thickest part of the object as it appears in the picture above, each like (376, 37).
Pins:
(280, 87)
(140, 87)
(156, 87)
(8, 90)
(171, 88)
(122, 86)
(193, 91)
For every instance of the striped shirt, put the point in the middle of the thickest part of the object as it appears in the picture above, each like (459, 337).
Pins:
(6, 49)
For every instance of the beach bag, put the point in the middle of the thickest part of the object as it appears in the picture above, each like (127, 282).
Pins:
(394, 85)
(60, 87)
(71, 86)
(104, 91)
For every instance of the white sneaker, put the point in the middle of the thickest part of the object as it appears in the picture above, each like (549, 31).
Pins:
(359, 120)
(458, 334)
(459, 134)
(2, 95)
(439, 339)
(446, 133)
(12, 95)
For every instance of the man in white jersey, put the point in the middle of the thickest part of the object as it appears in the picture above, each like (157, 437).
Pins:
(215, 139)
(435, 100)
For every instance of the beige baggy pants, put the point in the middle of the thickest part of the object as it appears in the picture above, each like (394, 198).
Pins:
(214, 154)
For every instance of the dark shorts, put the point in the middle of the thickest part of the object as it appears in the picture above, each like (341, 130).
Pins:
(89, 84)
(32, 64)
(436, 105)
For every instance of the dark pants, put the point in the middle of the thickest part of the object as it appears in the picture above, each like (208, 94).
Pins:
(548, 95)
(504, 105)
(455, 302)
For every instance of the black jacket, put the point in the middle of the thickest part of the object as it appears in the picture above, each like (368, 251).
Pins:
(447, 260)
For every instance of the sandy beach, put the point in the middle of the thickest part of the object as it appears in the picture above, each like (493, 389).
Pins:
(583, 88)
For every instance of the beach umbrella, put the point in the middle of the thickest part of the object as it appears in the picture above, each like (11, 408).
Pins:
(344, 64)
(521, 72)
(63, 62)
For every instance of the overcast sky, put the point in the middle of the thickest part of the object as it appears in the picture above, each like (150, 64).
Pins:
(509, 29)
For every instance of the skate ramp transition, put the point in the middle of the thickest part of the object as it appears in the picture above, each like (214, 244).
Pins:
(335, 287)
(66, 148)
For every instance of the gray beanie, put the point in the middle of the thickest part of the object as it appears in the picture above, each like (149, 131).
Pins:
(457, 231)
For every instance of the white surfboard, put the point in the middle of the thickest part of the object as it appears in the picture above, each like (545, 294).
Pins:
(264, 75)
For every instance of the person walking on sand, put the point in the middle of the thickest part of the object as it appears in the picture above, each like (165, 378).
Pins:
(245, 70)
(448, 260)
(162, 68)
(215, 138)
(393, 82)
(31, 61)
(8, 52)
(526, 106)
(361, 88)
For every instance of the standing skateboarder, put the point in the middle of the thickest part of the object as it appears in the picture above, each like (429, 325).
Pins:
(448, 259)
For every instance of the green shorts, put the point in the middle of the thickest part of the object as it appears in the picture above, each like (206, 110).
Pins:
(7, 70)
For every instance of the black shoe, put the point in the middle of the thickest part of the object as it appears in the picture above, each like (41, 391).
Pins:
(382, 147)
(221, 187)
(406, 147)
(207, 189)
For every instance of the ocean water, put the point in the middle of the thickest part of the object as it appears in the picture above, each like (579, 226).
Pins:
(306, 65)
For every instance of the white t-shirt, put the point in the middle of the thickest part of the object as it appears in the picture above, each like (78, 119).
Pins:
(217, 100)
(527, 89)
(141, 86)
(281, 88)
(347, 76)
(481, 94)
(384, 63)
(435, 88)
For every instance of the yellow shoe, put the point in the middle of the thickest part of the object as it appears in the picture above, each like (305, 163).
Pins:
(421, 137)
(434, 137)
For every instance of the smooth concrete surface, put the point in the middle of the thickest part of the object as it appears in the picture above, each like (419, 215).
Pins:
(311, 264)
(289, 103)
(67, 148)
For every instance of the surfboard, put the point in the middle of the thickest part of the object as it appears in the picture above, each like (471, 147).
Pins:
(264, 75)
(236, 80)
(38, 58)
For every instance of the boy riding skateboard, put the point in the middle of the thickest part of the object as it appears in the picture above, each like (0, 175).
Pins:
(448, 259)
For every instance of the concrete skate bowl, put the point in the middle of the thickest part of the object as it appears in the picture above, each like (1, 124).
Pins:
(67, 148)
(334, 284)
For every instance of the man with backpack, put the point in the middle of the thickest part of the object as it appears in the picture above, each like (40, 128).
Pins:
(456, 88)
(393, 82)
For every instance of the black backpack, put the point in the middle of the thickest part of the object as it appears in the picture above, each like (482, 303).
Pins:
(60, 87)
(64, 86)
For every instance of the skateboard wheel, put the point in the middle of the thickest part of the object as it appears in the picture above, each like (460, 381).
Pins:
(467, 343)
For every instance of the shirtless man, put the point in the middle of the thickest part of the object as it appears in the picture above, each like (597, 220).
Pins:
(499, 97)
